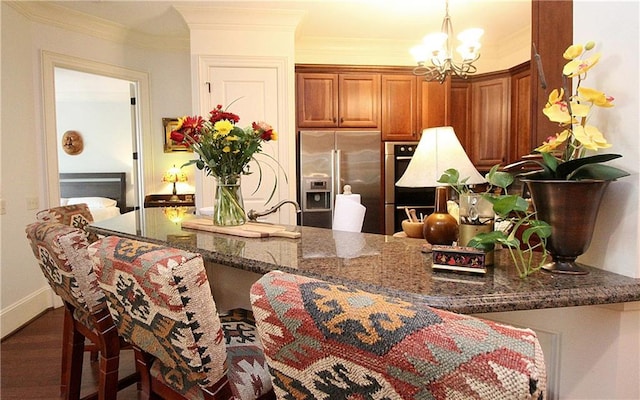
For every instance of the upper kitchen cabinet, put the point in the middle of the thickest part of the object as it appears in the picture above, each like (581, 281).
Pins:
(521, 117)
(490, 112)
(399, 106)
(433, 104)
(410, 104)
(349, 100)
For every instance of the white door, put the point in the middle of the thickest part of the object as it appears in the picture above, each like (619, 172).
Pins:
(253, 94)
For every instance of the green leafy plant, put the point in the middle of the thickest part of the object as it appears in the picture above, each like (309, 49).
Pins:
(515, 209)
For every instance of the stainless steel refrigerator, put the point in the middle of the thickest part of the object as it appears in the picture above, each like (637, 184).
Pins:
(329, 160)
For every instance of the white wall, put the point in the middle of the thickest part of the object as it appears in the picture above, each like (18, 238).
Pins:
(24, 292)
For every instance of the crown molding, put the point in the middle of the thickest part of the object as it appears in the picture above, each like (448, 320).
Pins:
(205, 17)
(72, 20)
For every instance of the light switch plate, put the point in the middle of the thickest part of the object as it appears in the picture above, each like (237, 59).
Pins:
(32, 203)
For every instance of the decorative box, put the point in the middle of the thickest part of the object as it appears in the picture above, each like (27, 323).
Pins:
(456, 258)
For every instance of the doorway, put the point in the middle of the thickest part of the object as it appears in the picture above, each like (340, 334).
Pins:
(97, 110)
(80, 79)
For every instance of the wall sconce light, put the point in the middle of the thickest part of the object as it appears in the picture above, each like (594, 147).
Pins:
(172, 176)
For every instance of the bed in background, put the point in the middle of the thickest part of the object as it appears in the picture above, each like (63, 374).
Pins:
(103, 192)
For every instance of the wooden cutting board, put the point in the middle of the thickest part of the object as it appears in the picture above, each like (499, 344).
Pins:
(250, 229)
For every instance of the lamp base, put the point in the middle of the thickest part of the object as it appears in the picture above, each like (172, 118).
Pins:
(441, 228)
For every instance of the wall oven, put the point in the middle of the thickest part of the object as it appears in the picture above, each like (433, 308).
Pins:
(397, 156)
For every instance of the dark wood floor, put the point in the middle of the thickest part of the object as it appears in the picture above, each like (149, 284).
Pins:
(30, 362)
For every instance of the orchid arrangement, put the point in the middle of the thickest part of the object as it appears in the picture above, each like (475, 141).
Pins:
(224, 149)
(565, 153)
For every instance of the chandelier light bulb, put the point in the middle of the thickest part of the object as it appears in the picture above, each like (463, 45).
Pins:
(435, 56)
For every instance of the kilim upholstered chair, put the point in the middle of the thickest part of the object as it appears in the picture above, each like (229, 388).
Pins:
(161, 302)
(76, 215)
(61, 252)
(326, 341)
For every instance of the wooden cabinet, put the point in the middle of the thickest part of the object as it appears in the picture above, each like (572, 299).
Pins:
(490, 111)
(433, 104)
(399, 107)
(460, 111)
(327, 100)
(410, 104)
(521, 138)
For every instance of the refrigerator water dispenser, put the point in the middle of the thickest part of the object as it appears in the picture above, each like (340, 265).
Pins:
(317, 194)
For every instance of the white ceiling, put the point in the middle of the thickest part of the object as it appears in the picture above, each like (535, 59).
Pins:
(370, 19)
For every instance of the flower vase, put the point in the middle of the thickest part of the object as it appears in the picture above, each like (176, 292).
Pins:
(228, 206)
(571, 208)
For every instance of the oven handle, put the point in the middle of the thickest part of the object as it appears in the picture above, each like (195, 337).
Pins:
(403, 157)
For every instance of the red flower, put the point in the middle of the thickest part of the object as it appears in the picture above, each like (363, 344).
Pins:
(264, 130)
(177, 136)
(217, 114)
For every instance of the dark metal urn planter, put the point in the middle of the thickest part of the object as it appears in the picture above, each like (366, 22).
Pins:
(571, 208)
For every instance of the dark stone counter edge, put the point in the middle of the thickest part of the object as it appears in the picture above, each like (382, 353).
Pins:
(460, 304)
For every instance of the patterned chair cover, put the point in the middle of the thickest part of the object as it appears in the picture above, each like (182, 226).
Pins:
(326, 341)
(62, 256)
(61, 251)
(76, 215)
(160, 300)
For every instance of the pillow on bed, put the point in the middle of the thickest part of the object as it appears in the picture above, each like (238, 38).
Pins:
(93, 202)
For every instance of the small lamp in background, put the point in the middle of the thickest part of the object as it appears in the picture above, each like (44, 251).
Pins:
(172, 176)
(437, 151)
(175, 214)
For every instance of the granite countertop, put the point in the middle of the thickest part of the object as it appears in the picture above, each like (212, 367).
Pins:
(383, 264)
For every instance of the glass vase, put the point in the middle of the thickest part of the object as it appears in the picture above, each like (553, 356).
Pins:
(228, 206)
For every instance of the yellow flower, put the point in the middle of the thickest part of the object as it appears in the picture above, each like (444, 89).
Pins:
(223, 127)
(573, 51)
(578, 66)
(596, 97)
(231, 138)
(556, 109)
(274, 135)
(553, 142)
(226, 149)
(590, 137)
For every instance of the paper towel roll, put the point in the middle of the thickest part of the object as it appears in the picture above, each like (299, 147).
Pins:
(348, 244)
(348, 214)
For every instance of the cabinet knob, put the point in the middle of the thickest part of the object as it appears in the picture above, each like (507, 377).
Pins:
(341, 120)
(334, 120)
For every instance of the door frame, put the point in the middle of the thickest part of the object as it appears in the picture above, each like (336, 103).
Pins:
(142, 132)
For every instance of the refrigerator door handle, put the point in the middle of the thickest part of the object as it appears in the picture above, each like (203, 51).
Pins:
(333, 180)
(338, 175)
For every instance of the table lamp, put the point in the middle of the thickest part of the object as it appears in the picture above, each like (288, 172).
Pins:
(174, 175)
(438, 151)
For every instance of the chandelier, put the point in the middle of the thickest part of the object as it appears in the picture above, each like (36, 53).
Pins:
(437, 51)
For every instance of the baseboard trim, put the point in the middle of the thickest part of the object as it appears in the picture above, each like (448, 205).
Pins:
(20, 313)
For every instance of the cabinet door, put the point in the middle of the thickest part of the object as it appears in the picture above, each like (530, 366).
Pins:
(399, 107)
(359, 101)
(317, 100)
(491, 100)
(520, 115)
(433, 104)
(460, 114)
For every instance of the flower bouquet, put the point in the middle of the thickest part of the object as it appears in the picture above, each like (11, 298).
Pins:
(224, 152)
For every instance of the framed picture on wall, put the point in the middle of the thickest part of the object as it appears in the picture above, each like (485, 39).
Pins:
(170, 124)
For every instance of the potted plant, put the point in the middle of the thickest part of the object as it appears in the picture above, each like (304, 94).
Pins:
(525, 238)
(567, 172)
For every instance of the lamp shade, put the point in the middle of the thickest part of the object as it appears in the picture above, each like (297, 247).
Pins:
(174, 175)
(438, 151)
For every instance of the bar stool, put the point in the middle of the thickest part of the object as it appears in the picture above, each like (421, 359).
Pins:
(324, 340)
(61, 252)
(161, 302)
